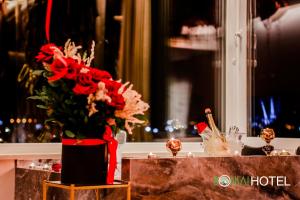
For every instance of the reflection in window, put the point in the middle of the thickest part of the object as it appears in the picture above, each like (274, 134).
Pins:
(275, 79)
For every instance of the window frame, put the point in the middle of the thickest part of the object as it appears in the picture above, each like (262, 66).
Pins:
(236, 100)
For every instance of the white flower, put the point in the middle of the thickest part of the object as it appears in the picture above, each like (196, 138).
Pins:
(71, 49)
(133, 106)
(100, 95)
(92, 56)
(92, 107)
(84, 70)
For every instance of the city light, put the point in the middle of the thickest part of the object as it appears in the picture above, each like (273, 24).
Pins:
(7, 130)
(148, 129)
(24, 120)
(38, 126)
(155, 130)
(18, 120)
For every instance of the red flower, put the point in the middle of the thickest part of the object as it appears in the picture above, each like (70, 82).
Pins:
(46, 53)
(73, 69)
(64, 68)
(111, 85)
(59, 68)
(117, 100)
(85, 78)
(85, 84)
(99, 75)
(84, 90)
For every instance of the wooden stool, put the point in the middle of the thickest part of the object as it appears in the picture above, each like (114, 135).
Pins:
(72, 188)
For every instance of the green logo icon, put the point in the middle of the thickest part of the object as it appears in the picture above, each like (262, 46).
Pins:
(224, 181)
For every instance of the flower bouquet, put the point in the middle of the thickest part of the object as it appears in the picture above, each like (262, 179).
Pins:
(89, 106)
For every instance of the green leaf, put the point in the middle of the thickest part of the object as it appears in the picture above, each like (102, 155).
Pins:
(86, 119)
(141, 117)
(47, 74)
(53, 120)
(69, 133)
(80, 136)
(84, 55)
(42, 98)
(37, 72)
(54, 84)
(42, 106)
(114, 129)
(68, 102)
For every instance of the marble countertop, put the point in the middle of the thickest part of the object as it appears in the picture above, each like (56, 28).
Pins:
(198, 177)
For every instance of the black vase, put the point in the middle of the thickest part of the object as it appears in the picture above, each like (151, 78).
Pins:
(84, 165)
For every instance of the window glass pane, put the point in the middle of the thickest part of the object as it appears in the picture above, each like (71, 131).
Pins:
(275, 79)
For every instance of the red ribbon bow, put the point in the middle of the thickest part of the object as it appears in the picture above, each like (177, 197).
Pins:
(112, 149)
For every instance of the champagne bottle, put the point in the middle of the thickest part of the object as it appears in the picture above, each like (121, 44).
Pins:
(212, 124)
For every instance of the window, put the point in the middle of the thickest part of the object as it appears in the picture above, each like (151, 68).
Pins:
(238, 57)
(174, 58)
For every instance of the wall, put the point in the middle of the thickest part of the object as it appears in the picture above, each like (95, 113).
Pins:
(7, 179)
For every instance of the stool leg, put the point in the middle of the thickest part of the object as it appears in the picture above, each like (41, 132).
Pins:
(97, 194)
(72, 192)
(129, 191)
(44, 190)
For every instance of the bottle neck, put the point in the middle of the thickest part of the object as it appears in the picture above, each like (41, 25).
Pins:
(212, 124)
